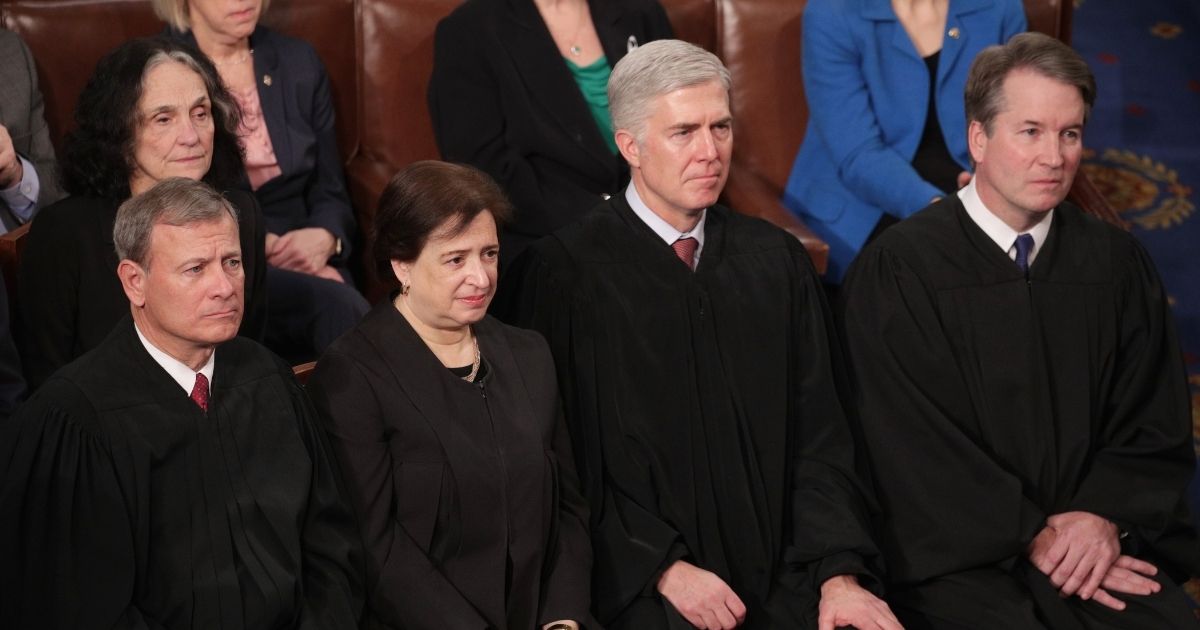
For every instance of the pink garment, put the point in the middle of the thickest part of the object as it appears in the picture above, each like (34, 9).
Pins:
(261, 165)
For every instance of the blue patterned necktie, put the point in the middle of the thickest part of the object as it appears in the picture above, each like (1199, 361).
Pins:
(1024, 247)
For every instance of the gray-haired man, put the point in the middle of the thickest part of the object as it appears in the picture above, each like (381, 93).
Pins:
(693, 352)
(174, 476)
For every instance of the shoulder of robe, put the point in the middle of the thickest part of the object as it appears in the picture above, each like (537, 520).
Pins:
(60, 402)
(746, 233)
(524, 343)
(242, 361)
(71, 214)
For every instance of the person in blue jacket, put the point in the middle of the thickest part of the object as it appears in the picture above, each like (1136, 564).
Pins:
(886, 131)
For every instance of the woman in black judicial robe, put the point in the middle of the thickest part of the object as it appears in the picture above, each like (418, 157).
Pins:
(71, 297)
(447, 428)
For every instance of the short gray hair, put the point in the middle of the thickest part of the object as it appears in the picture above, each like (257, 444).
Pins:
(657, 68)
(175, 201)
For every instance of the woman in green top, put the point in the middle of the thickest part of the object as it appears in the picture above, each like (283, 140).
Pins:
(518, 90)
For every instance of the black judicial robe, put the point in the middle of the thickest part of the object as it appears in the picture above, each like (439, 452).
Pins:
(704, 409)
(990, 401)
(465, 492)
(125, 506)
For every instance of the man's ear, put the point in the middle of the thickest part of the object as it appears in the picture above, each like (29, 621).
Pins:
(628, 147)
(977, 139)
(133, 280)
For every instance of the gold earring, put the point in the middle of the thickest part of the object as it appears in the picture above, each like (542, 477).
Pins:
(404, 288)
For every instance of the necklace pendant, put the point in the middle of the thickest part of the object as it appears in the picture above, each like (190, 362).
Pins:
(576, 50)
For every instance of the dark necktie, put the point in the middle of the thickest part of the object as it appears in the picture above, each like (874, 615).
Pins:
(1024, 247)
(200, 392)
(685, 248)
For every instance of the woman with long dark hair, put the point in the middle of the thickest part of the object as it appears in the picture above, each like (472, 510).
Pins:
(154, 108)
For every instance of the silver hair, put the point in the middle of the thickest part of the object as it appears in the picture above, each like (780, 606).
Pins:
(175, 201)
(654, 69)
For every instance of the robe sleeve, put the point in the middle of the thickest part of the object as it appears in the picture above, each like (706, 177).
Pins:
(1140, 471)
(49, 295)
(831, 506)
(404, 587)
(632, 544)
(67, 536)
(567, 585)
(332, 551)
(939, 489)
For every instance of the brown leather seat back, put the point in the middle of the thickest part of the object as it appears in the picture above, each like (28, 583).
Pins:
(397, 61)
(694, 21)
(1052, 17)
(68, 37)
(760, 44)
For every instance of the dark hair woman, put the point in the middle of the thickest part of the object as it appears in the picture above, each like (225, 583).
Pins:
(447, 427)
(154, 108)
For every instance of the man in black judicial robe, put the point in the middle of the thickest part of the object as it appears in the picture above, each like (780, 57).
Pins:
(1020, 384)
(137, 496)
(704, 405)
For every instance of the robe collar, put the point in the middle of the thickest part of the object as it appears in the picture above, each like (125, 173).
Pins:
(664, 230)
(1004, 236)
(176, 369)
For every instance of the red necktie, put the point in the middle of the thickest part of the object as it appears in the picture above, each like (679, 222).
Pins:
(200, 392)
(685, 248)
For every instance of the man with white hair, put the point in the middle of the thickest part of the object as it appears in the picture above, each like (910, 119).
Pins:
(700, 383)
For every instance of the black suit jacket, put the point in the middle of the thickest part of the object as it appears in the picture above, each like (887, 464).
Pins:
(21, 112)
(466, 492)
(71, 297)
(503, 100)
(297, 105)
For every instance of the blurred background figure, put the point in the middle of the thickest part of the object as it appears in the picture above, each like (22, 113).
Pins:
(28, 177)
(291, 163)
(154, 108)
(519, 91)
(886, 131)
(447, 426)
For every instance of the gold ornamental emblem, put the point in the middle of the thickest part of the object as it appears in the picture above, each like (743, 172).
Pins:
(1144, 191)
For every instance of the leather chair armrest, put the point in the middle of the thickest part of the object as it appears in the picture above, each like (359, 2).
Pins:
(12, 243)
(1084, 194)
(749, 193)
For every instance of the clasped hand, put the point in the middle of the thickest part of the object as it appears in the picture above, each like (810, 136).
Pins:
(306, 250)
(846, 603)
(1081, 554)
(703, 598)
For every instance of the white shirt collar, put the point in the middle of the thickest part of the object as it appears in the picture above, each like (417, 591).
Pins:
(178, 371)
(998, 230)
(665, 230)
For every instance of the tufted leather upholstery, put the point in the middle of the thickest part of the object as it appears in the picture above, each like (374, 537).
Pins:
(379, 56)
